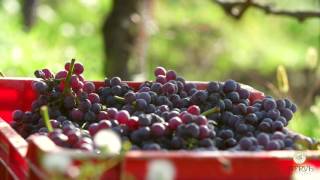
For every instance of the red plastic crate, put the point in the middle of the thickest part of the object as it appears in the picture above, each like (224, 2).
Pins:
(185, 165)
(218, 165)
(13, 150)
(41, 147)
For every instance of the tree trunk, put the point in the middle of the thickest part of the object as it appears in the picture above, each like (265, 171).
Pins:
(123, 30)
(29, 13)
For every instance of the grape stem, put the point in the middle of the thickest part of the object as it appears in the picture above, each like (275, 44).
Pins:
(67, 88)
(118, 98)
(211, 111)
(1, 74)
(121, 99)
(45, 117)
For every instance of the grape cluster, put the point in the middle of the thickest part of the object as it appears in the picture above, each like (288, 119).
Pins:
(165, 114)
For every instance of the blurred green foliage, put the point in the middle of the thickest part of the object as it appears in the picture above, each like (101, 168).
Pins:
(196, 38)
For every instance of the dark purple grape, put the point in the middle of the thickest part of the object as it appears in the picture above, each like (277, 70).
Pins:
(215, 97)
(288, 103)
(144, 132)
(204, 132)
(76, 115)
(201, 95)
(213, 87)
(269, 104)
(17, 115)
(169, 88)
(164, 108)
(293, 108)
(144, 120)
(150, 108)
(282, 120)
(151, 147)
(43, 100)
(229, 85)
(90, 117)
(61, 118)
(227, 104)
(277, 126)
(156, 87)
(288, 142)
(141, 104)
(69, 102)
(67, 127)
(27, 117)
(286, 113)
(157, 129)
(96, 107)
(251, 118)
(242, 128)
(268, 120)
(145, 96)
(40, 87)
(144, 89)
(278, 135)
(242, 108)
(273, 114)
(55, 124)
(219, 142)
(177, 142)
(115, 81)
(281, 103)
(233, 96)
(230, 142)
(189, 86)
(192, 91)
(193, 130)
(226, 134)
(206, 142)
(39, 74)
(85, 105)
(244, 94)
(263, 139)
(273, 145)
(264, 126)
(116, 90)
(245, 143)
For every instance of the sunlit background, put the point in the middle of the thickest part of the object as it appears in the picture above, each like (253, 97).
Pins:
(195, 38)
